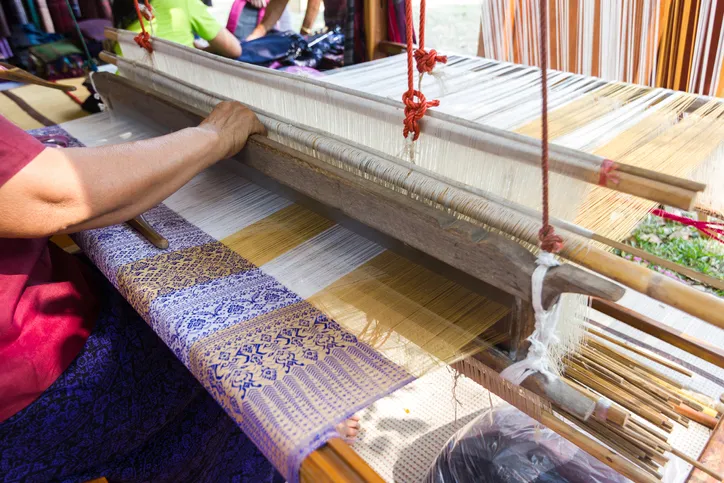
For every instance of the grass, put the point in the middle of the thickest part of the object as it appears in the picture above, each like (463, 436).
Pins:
(680, 244)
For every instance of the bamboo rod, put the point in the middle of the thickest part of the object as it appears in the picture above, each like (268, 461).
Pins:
(662, 262)
(625, 400)
(699, 417)
(644, 391)
(641, 352)
(614, 414)
(692, 345)
(597, 450)
(627, 362)
(11, 73)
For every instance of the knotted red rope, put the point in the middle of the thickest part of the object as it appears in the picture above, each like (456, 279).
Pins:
(415, 110)
(549, 241)
(712, 229)
(144, 38)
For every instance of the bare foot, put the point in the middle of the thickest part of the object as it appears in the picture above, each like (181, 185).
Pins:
(349, 429)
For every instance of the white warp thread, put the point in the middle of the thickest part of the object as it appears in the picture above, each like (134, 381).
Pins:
(545, 329)
(602, 406)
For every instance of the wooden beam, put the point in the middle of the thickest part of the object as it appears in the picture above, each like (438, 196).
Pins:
(522, 325)
(336, 462)
(685, 342)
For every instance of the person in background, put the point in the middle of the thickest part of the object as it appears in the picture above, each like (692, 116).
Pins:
(250, 16)
(180, 21)
(334, 15)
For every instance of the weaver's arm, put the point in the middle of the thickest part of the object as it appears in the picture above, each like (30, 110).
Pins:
(68, 190)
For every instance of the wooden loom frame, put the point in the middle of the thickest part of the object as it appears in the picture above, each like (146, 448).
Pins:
(336, 460)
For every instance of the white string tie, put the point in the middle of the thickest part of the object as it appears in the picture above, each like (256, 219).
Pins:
(544, 334)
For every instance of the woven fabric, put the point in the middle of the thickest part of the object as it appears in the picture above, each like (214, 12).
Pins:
(126, 409)
(281, 368)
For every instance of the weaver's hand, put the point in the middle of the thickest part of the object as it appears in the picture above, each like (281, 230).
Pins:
(233, 123)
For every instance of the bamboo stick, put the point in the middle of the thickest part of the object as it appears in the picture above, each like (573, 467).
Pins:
(692, 345)
(148, 232)
(697, 416)
(641, 352)
(597, 450)
(627, 401)
(614, 414)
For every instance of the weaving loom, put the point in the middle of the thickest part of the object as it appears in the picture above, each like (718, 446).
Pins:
(326, 271)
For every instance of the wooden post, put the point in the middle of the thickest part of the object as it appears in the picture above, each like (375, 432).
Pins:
(375, 18)
(522, 325)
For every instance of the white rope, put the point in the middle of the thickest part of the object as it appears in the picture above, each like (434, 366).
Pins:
(544, 334)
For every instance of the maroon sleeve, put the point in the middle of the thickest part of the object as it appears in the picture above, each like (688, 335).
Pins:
(17, 149)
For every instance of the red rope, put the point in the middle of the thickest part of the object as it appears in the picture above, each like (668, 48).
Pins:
(144, 38)
(426, 60)
(712, 229)
(416, 109)
(549, 241)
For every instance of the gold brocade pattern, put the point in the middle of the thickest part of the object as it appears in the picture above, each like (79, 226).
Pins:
(143, 281)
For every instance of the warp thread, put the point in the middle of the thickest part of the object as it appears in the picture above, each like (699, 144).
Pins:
(426, 61)
(143, 39)
(544, 334)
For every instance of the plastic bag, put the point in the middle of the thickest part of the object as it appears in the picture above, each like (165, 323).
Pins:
(503, 445)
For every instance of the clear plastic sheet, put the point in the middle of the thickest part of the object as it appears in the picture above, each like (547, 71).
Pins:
(503, 445)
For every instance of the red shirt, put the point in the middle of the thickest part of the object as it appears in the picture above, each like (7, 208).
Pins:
(47, 309)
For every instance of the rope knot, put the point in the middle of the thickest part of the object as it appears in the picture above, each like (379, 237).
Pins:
(144, 40)
(414, 111)
(549, 241)
(426, 61)
(608, 173)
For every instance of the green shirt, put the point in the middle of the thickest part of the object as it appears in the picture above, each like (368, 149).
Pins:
(179, 20)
